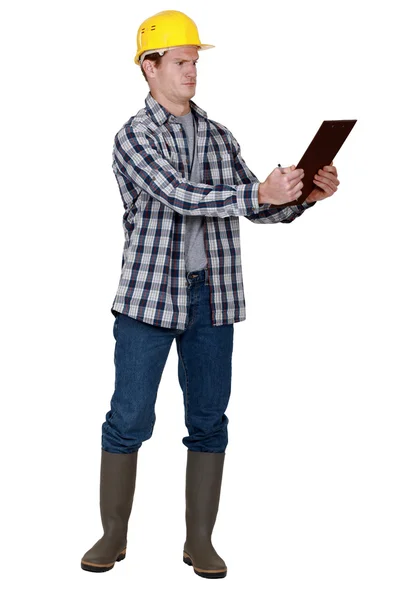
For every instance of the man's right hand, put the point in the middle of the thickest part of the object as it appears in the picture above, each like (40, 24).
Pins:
(281, 186)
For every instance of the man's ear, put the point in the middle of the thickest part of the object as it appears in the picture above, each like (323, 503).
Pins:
(149, 68)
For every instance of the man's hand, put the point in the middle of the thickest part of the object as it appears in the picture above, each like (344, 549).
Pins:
(327, 180)
(281, 186)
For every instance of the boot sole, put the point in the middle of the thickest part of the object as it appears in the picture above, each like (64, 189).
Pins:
(209, 574)
(96, 568)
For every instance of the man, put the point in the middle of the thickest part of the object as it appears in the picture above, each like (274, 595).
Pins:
(184, 184)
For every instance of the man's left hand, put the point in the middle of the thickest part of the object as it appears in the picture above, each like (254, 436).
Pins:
(327, 180)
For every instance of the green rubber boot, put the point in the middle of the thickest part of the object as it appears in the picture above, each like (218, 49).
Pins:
(117, 487)
(203, 487)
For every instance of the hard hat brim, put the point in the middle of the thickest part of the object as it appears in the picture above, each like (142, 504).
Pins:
(201, 47)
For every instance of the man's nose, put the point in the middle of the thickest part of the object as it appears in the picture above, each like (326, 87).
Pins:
(191, 71)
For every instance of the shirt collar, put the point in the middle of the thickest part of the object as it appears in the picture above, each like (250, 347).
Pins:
(160, 114)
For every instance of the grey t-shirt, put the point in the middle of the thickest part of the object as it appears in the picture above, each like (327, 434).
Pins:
(195, 255)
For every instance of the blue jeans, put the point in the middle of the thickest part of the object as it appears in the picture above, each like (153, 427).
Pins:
(204, 371)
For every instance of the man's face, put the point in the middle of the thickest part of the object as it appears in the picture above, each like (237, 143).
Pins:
(176, 77)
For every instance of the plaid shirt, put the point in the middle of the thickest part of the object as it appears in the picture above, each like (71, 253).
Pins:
(151, 163)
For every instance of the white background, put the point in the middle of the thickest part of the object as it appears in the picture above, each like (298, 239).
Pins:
(310, 495)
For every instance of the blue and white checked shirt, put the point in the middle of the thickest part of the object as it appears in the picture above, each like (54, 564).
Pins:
(151, 164)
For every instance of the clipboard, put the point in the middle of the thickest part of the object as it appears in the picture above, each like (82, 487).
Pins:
(323, 148)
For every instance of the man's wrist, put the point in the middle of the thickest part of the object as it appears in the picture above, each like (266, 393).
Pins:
(262, 195)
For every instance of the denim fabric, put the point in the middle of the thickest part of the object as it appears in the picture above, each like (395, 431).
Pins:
(204, 372)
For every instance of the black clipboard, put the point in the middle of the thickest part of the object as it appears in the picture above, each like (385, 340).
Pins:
(323, 148)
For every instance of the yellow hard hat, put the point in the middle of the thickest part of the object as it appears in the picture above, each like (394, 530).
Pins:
(166, 30)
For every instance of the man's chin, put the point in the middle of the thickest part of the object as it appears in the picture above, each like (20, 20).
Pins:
(190, 89)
